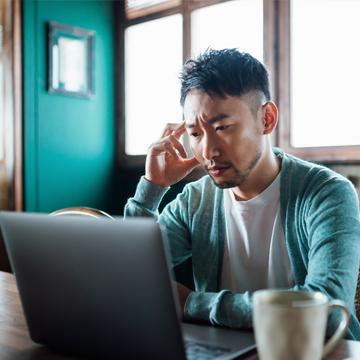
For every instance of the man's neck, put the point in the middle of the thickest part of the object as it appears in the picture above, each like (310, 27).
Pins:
(259, 179)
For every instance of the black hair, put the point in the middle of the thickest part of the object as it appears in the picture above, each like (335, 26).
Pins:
(224, 72)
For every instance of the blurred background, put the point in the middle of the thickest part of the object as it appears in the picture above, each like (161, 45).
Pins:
(87, 85)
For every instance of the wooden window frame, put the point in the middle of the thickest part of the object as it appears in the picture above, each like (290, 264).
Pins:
(277, 52)
(183, 7)
(329, 154)
(13, 98)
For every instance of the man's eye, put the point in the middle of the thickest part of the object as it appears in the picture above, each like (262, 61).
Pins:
(222, 127)
(194, 134)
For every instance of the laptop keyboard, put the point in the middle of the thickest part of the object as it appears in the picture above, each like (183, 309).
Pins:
(197, 351)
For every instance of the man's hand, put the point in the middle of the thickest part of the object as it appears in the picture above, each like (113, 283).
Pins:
(183, 293)
(166, 161)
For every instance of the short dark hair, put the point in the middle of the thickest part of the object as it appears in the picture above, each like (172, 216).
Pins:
(224, 72)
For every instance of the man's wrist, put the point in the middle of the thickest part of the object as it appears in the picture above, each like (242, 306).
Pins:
(198, 306)
(148, 179)
(148, 194)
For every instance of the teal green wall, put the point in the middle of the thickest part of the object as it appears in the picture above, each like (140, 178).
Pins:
(69, 150)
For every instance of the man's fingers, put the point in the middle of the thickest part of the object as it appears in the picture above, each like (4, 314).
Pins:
(179, 130)
(171, 144)
(178, 145)
(191, 163)
(170, 128)
(163, 147)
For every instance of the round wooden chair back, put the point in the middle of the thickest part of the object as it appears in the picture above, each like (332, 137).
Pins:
(81, 211)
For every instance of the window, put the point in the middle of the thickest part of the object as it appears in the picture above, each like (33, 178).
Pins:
(322, 57)
(240, 26)
(159, 36)
(151, 86)
(309, 46)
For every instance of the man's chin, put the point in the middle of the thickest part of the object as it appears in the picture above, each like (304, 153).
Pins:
(223, 184)
(228, 183)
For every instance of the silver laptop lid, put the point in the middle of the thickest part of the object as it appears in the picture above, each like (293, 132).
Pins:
(94, 286)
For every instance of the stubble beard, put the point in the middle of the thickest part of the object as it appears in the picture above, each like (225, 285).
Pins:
(240, 176)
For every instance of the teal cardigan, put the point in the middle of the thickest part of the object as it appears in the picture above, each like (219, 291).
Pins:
(320, 215)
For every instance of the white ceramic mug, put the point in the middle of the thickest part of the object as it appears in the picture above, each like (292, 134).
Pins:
(292, 324)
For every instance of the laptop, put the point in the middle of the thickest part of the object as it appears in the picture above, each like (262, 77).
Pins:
(102, 289)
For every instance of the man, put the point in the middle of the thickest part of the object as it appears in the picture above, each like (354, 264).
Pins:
(261, 218)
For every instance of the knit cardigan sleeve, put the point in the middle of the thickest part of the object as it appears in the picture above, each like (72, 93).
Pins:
(328, 231)
(145, 203)
(322, 228)
(220, 308)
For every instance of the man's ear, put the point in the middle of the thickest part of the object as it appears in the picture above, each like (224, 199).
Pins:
(270, 117)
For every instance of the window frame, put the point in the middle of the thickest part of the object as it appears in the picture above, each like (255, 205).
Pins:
(185, 8)
(277, 53)
(12, 97)
(326, 155)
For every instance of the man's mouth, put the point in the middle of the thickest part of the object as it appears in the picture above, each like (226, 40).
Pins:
(217, 170)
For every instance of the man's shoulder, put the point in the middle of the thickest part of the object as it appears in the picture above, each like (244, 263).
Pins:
(303, 177)
(299, 170)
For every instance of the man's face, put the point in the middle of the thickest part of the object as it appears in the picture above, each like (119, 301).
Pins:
(226, 137)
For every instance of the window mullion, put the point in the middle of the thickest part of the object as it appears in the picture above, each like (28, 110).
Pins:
(271, 50)
(283, 73)
(186, 30)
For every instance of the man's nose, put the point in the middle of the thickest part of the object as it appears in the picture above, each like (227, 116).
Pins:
(210, 148)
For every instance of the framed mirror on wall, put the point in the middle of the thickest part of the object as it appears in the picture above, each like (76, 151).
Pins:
(71, 60)
(10, 106)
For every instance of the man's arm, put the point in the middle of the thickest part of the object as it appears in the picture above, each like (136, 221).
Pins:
(146, 200)
(333, 239)
(145, 203)
(166, 164)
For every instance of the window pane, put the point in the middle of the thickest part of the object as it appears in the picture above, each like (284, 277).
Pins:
(133, 4)
(153, 59)
(233, 24)
(325, 73)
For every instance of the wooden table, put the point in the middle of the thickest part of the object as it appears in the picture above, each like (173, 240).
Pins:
(15, 342)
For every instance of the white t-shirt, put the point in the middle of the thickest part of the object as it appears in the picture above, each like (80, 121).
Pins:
(255, 254)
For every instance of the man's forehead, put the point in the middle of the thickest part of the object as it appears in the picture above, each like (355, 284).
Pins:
(199, 103)
(201, 98)
(200, 95)
(210, 120)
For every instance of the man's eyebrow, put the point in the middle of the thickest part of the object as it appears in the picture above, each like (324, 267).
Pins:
(212, 120)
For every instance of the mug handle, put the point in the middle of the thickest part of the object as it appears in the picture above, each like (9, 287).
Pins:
(339, 333)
